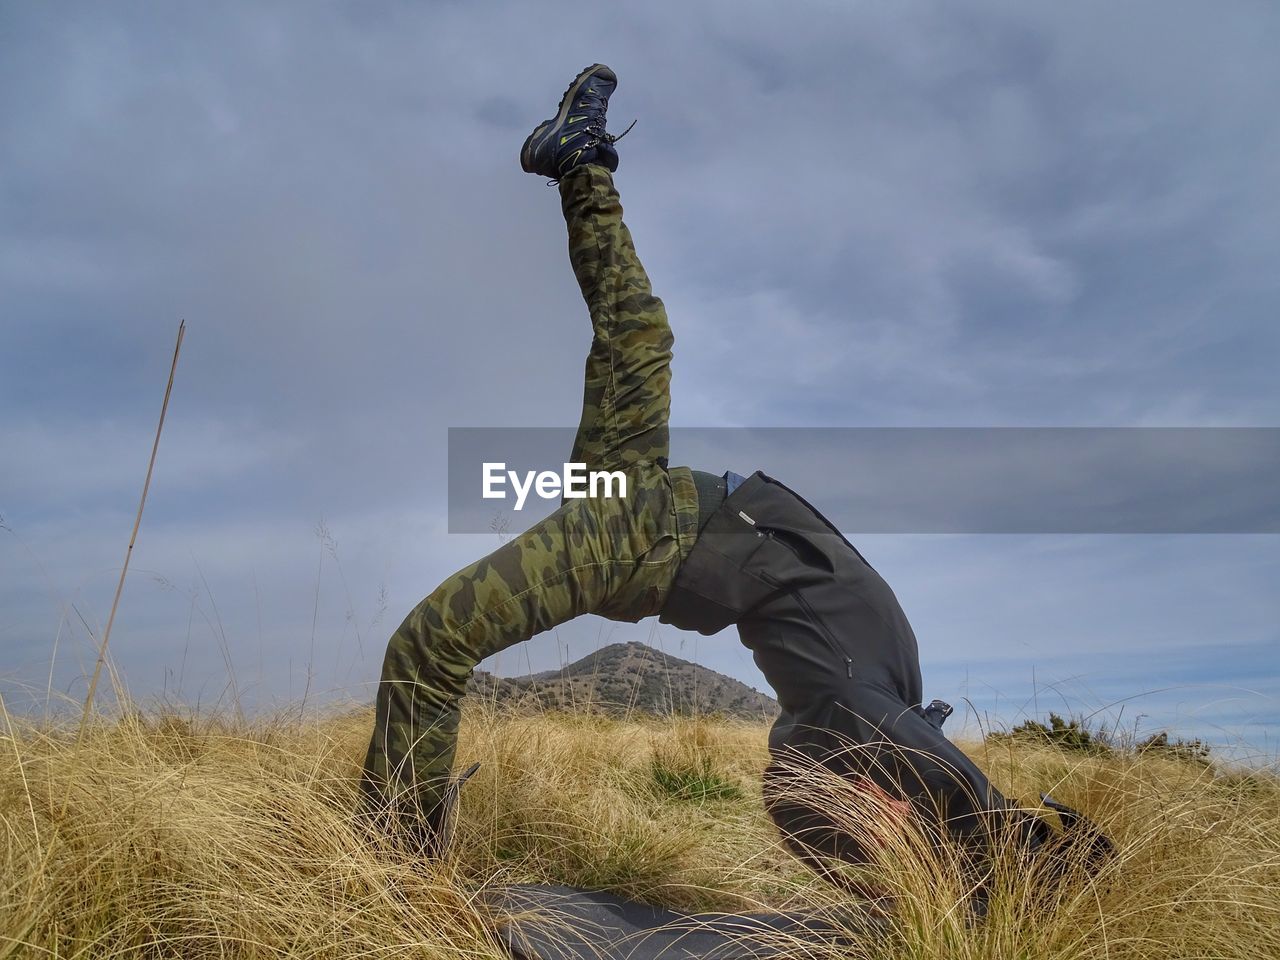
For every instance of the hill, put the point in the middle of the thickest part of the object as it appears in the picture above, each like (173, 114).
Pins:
(624, 677)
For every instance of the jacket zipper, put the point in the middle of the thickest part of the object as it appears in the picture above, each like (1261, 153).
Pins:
(808, 610)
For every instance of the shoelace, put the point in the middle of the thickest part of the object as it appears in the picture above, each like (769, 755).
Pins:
(595, 127)
(596, 135)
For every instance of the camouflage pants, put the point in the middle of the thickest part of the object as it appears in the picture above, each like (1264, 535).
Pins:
(615, 557)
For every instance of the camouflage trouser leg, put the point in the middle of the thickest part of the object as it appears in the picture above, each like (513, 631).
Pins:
(612, 556)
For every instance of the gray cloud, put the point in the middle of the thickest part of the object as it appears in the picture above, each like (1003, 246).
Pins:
(858, 215)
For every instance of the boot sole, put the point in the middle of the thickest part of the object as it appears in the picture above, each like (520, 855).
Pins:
(544, 130)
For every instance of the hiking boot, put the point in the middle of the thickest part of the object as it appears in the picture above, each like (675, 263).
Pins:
(576, 135)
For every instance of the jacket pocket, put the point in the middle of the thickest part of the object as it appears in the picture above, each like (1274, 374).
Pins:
(821, 628)
(804, 550)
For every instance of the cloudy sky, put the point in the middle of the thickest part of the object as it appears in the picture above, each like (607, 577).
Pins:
(858, 214)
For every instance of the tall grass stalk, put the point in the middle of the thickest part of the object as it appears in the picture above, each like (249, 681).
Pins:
(133, 537)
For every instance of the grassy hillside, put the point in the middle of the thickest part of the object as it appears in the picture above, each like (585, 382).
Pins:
(158, 836)
(622, 678)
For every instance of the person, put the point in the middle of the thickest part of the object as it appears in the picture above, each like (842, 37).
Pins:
(701, 551)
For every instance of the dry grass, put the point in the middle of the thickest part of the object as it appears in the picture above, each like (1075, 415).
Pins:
(159, 836)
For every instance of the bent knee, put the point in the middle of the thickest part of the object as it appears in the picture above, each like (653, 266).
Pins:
(423, 649)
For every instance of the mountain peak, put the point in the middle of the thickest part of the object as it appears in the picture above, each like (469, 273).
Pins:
(631, 677)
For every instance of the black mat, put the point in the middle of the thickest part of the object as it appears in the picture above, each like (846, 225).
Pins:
(539, 922)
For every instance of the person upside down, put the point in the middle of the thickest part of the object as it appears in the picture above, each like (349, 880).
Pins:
(700, 551)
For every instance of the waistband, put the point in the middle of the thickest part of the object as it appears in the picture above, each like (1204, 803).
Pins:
(711, 493)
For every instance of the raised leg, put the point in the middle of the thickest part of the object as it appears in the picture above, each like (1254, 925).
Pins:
(614, 557)
(626, 399)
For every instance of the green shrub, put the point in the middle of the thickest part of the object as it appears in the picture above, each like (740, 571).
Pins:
(1067, 734)
(1192, 751)
(695, 781)
(1074, 734)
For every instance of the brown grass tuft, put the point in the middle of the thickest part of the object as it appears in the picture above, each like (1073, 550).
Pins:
(178, 836)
